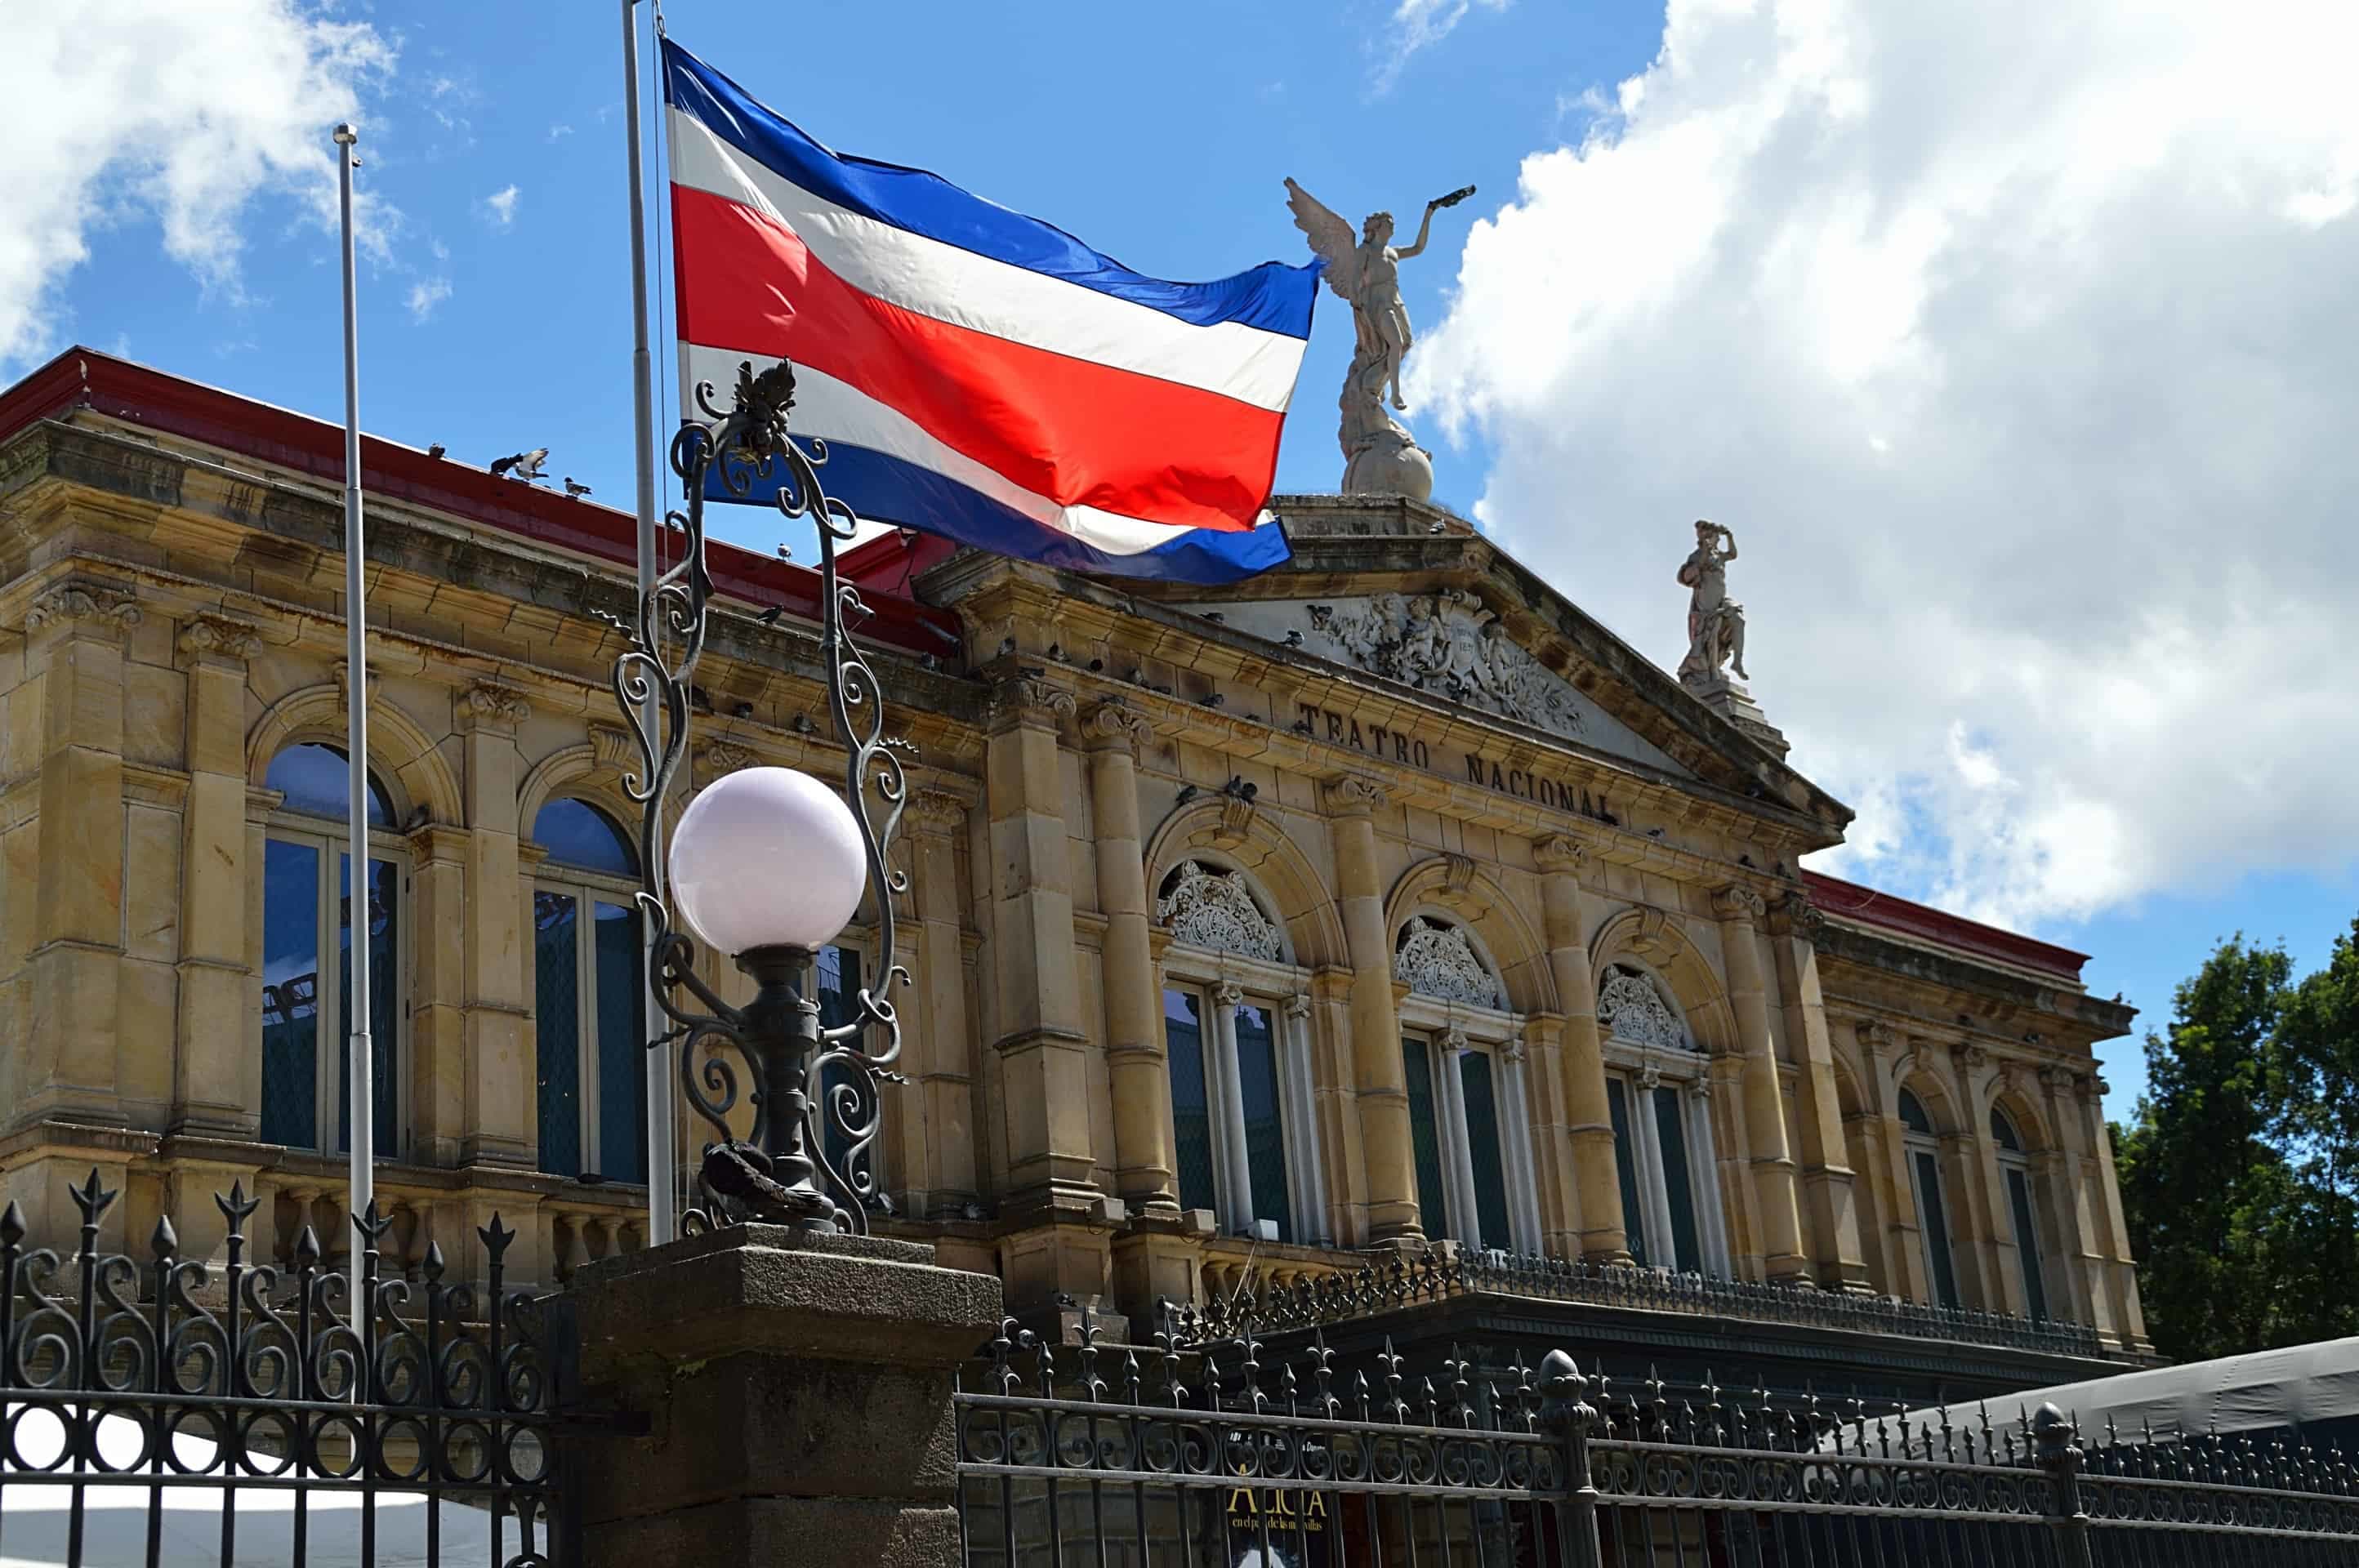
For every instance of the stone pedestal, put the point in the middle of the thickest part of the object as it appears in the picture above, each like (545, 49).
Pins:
(797, 1390)
(1732, 701)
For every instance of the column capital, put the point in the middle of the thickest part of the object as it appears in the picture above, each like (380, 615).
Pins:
(1797, 916)
(715, 758)
(1351, 796)
(1454, 1040)
(1738, 902)
(1511, 1050)
(217, 639)
(490, 705)
(938, 812)
(1297, 1007)
(1113, 727)
(1228, 994)
(612, 747)
(1029, 698)
(1561, 852)
(1879, 1038)
(110, 607)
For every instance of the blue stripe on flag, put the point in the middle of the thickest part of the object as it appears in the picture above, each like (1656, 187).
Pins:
(885, 488)
(1273, 297)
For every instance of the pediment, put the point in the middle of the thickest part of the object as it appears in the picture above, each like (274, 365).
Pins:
(1450, 647)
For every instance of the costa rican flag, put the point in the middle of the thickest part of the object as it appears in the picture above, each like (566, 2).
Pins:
(975, 373)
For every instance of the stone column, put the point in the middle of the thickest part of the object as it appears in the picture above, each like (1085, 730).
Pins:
(797, 1395)
(1310, 1185)
(1140, 1083)
(217, 1076)
(945, 1070)
(2080, 1205)
(1904, 1241)
(1739, 910)
(75, 633)
(1589, 1120)
(1523, 1190)
(502, 1105)
(1391, 1161)
(2121, 1269)
(1229, 1105)
(1827, 1171)
(1457, 1152)
(439, 1093)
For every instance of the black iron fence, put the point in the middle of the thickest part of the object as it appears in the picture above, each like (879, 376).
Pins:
(1395, 1280)
(1227, 1456)
(161, 1409)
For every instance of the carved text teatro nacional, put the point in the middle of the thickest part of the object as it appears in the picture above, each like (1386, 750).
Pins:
(1385, 904)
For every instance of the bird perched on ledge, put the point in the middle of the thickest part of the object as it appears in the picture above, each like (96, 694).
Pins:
(575, 488)
(521, 465)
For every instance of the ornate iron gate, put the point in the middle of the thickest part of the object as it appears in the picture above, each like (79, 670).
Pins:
(160, 1409)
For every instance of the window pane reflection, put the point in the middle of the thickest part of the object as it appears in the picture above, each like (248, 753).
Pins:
(557, 998)
(1475, 1077)
(290, 994)
(1417, 1068)
(1265, 1128)
(622, 1044)
(1191, 1118)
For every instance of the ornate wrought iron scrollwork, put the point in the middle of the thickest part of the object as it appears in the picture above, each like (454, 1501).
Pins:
(785, 1170)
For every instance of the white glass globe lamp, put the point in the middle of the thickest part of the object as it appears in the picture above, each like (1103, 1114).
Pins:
(766, 858)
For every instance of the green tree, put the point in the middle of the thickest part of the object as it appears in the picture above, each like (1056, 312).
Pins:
(2240, 1175)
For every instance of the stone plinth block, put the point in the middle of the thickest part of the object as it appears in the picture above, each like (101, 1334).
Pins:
(797, 1390)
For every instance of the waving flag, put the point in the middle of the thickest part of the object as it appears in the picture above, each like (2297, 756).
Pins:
(975, 373)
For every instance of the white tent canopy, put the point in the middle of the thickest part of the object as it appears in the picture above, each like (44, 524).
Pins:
(2293, 1387)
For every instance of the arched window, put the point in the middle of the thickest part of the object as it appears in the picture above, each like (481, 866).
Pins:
(1924, 1154)
(2015, 1174)
(1657, 1089)
(306, 913)
(1236, 1032)
(1461, 1062)
(590, 997)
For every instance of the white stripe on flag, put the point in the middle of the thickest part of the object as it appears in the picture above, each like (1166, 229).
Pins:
(951, 284)
(831, 410)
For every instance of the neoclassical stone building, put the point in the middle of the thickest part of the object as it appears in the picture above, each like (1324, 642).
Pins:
(1385, 902)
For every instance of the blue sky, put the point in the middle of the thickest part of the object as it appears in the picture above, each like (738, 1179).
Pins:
(494, 318)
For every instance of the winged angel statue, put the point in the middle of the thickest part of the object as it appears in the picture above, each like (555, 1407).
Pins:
(1379, 454)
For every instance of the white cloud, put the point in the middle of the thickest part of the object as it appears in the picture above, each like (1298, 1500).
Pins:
(2019, 348)
(1415, 24)
(557, 131)
(182, 111)
(426, 293)
(500, 206)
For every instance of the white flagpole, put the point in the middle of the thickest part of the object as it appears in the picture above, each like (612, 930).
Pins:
(360, 1057)
(662, 1219)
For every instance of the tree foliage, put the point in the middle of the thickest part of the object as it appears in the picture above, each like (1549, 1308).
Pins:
(2240, 1173)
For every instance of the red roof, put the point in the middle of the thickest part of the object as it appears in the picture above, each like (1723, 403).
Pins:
(1866, 906)
(81, 377)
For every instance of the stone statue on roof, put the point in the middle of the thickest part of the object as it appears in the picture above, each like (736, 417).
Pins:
(1715, 621)
(1380, 457)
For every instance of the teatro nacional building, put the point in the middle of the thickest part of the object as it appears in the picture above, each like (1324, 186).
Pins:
(1380, 945)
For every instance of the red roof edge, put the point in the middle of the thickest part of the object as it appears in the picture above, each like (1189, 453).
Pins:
(81, 377)
(891, 561)
(1866, 906)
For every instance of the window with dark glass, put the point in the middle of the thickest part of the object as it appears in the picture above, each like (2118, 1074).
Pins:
(2014, 1168)
(1191, 1113)
(589, 994)
(1425, 1139)
(1264, 1121)
(1933, 1209)
(1671, 1129)
(836, 974)
(1626, 1167)
(306, 912)
(1475, 1079)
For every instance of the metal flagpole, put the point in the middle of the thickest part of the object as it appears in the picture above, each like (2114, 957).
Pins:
(662, 1219)
(360, 1057)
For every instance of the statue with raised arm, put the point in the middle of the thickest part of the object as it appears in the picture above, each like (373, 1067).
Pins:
(1380, 456)
(1715, 621)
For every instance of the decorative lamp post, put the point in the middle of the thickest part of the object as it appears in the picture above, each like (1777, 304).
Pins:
(766, 864)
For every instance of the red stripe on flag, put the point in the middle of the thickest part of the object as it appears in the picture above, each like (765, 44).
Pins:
(1080, 433)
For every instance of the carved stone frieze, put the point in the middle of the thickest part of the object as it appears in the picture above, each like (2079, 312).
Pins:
(1438, 960)
(1212, 910)
(70, 601)
(612, 748)
(935, 811)
(1631, 1008)
(715, 758)
(1880, 1038)
(1451, 645)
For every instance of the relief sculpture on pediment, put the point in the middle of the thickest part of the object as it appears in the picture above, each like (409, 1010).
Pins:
(1451, 645)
